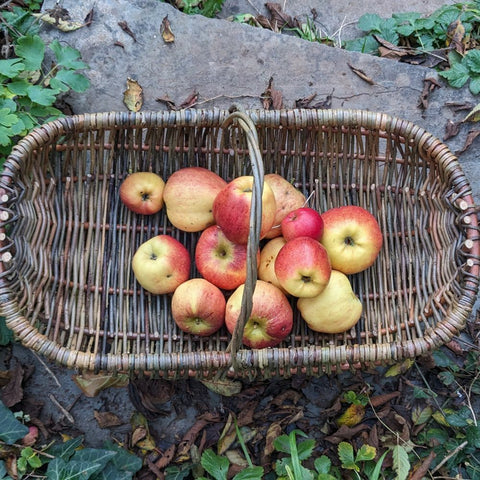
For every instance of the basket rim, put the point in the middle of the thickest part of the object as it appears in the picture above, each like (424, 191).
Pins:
(311, 359)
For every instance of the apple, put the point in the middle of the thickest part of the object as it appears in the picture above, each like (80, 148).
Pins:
(142, 192)
(231, 209)
(302, 222)
(266, 263)
(189, 194)
(219, 260)
(335, 310)
(352, 237)
(271, 319)
(302, 267)
(198, 307)
(287, 198)
(161, 264)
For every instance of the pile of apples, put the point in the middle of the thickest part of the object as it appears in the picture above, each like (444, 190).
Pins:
(304, 255)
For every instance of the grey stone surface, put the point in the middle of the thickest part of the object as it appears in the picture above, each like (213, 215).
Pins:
(229, 63)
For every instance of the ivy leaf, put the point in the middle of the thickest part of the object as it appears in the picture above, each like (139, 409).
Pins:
(93, 456)
(11, 429)
(12, 67)
(124, 460)
(473, 435)
(67, 79)
(67, 56)
(457, 75)
(41, 95)
(6, 335)
(32, 50)
(401, 464)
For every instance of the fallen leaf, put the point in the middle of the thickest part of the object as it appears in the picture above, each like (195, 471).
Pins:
(474, 114)
(106, 419)
(167, 101)
(451, 129)
(455, 36)
(87, 21)
(306, 102)
(346, 433)
(392, 51)
(278, 18)
(361, 74)
(379, 400)
(12, 392)
(429, 85)
(420, 471)
(119, 44)
(124, 26)
(471, 136)
(272, 98)
(133, 95)
(459, 106)
(59, 23)
(92, 384)
(189, 101)
(166, 31)
(31, 437)
(166, 457)
(400, 368)
(352, 416)
(274, 431)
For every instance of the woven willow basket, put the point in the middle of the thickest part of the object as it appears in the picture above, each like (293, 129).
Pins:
(66, 241)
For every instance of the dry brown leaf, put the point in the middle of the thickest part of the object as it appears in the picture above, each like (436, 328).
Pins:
(272, 98)
(190, 101)
(379, 400)
(106, 419)
(88, 19)
(166, 458)
(346, 433)
(278, 18)
(124, 26)
(133, 95)
(306, 102)
(361, 74)
(274, 431)
(451, 129)
(166, 31)
(455, 36)
(12, 392)
(429, 85)
(472, 135)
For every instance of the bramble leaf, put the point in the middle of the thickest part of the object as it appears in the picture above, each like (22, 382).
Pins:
(370, 22)
(401, 463)
(215, 465)
(457, 75)
(346, 456)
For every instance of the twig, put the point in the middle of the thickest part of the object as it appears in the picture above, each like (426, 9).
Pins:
(450, 455)
(45, 366)
(17, 445)
(65, 412)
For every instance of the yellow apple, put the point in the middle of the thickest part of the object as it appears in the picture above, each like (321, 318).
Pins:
(142, 192)
(352, 237)
(335, 310)
(189, 194)
(198, 307)
(266, 264)
(271, 320)
(231, 209)
(287, 198)
(161, 264)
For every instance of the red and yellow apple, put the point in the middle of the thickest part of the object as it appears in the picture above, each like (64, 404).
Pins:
(219, 260)
(302, 267)
(352, 237)
(287, 198)
(189, 194)
(142, 192)
(270, 321)
(198, 307)
(161, 264)
(335, 310)
(266, 263)
(231, 209)
(302, 222)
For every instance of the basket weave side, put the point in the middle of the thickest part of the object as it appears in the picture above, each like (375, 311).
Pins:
(66, 286)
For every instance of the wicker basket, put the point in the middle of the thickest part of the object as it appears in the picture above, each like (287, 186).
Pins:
(66, 241)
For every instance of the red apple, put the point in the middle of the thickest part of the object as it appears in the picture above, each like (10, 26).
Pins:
(142, 192)
(271, 320)
(302, 267)
(161, 264)
(302, 222)
(231, 209)
(219, 260)
(198, 307)
(266, 264)
(189, 194)
(352, 237)
(287, 198)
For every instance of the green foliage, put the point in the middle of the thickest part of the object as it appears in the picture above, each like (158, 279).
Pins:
(11, 429)
(28, 93)
(207, 8)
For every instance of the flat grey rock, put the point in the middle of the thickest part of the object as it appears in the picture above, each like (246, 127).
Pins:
(228, 63)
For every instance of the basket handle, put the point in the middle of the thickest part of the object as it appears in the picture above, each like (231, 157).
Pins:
(247, 124)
